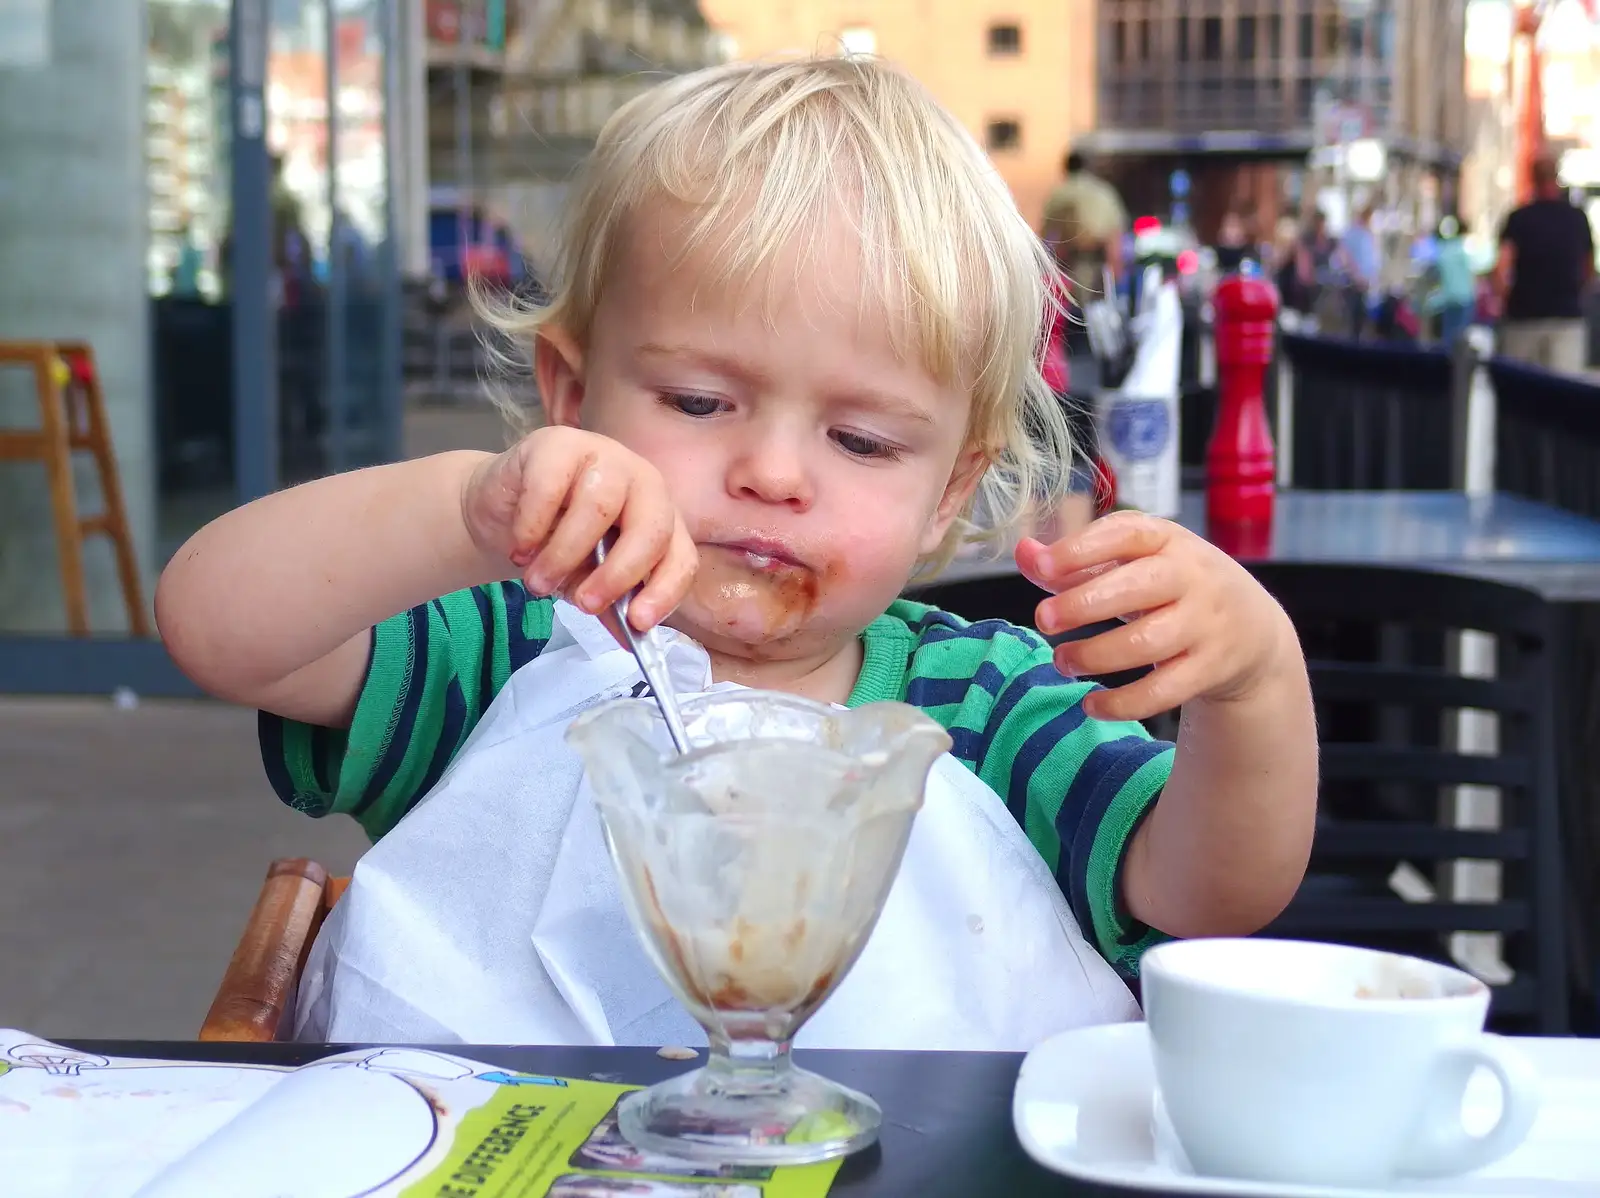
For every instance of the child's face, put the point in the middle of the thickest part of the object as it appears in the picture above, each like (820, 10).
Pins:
(812, 465)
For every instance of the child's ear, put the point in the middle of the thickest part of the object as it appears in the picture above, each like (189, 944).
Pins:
(558, 369)
(964, 480)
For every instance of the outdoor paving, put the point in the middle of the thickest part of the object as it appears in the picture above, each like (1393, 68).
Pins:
(132, 845)
(133, 842)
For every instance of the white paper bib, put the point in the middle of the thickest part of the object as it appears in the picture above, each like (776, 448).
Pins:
(491, 914)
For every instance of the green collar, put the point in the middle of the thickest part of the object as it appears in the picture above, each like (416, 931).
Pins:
(887, 643)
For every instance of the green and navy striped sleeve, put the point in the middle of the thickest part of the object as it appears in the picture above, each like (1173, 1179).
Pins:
(1078, 786)
(432, 673)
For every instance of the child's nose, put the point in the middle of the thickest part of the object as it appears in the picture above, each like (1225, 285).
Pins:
(771, 468)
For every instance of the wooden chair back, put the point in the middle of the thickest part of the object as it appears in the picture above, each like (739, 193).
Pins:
(256, 996)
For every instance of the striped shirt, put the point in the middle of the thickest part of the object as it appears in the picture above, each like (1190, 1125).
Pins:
(1078, 786)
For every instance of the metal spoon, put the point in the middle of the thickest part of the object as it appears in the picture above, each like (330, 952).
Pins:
(647, 651)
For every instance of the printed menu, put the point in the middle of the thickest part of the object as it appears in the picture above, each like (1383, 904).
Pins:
(370, 1123)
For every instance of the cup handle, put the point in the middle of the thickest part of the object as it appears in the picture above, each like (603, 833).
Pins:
(1441, 1145)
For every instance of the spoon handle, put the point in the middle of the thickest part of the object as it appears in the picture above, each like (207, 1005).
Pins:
(647, 651)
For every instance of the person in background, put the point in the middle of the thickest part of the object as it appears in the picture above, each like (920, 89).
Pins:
(291, 248)
(1084, 223)
(1077, 507)
(1361, 260)
(1300, 260)
(1455, 290)
(1286, 264)
(1546, 262)
(1320, 245)
(184, 281)
(359, 258)
(1233, 243)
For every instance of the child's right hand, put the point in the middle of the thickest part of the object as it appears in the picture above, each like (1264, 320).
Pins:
(545, 503)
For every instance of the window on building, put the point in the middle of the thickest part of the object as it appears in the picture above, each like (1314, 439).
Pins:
(1305, 98)
(1383, 33)
(1183, 39)
(1356, 37)
(1332, 35)
(1272, 96)
(1144, 39)
(858, 39)
(1005, 39)
(1275, 36)
(1211, 39)
(1246, 35)
(1002, 134)
(1119, 41)
(1308, 36)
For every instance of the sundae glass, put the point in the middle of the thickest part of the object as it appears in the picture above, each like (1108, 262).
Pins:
(754, 868)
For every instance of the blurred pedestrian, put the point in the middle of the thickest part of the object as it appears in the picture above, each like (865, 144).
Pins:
(1084, 222)
(184, 281)
(1546, 262)
(1234, 243)
(1360, 260)
(1453, 298)
(1302, 264)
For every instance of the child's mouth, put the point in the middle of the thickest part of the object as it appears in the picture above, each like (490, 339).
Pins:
(761, 557)
(755, 590)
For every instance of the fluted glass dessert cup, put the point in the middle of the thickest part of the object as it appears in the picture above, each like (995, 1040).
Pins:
(754, 869)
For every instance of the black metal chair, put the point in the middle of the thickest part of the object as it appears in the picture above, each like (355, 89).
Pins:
(1547, 436)
(1377, 643)
(1378, 646)
(1369, 415)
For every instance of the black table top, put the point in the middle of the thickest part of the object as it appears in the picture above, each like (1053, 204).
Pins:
(1500, 537)
(947, 1115)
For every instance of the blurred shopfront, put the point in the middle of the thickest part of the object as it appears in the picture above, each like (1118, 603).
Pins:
(202, 190)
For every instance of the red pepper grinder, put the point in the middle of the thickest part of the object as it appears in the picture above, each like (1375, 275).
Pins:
(1241, 465)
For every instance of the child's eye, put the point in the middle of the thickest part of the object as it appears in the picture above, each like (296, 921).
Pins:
(693, 405)
(864, 447)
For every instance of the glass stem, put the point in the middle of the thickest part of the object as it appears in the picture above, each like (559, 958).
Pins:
(748, 1066)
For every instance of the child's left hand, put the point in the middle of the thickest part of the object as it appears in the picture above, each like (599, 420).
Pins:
(1209, 629)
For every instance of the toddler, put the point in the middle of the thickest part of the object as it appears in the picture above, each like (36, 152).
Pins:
(793, 343)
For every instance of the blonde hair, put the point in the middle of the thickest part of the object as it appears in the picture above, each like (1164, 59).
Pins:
(764, 154)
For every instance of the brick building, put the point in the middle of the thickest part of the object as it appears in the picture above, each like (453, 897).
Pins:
(1243, 93)
(1019, 75)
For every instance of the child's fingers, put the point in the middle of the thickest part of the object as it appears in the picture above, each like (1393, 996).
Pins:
(1169, 685)
(540, 495)
(1027, 555)
(669, 582)
(569, 589)
(1121, 536)
(1141, 585)
(645, 532)
(1155, 637)
(593, 505)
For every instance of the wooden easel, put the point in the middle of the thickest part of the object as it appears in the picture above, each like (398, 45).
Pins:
(72, 416)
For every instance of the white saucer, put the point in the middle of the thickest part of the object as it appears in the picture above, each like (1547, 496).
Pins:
(1086, 1106)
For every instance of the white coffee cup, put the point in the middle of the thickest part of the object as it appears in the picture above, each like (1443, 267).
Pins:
(1318, 1064)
